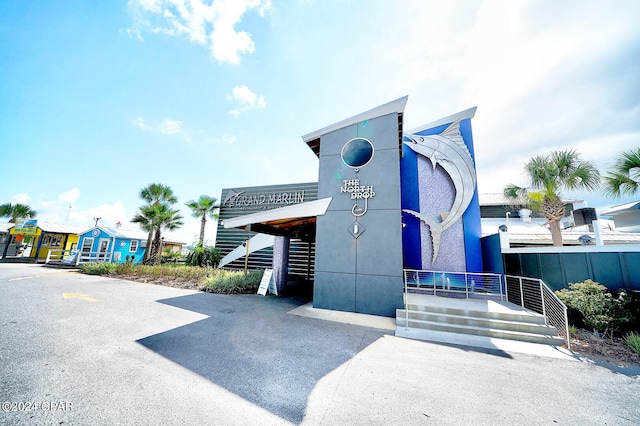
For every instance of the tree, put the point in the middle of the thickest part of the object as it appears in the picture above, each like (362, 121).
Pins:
(203, 207)
(624, 178)
(548, 174)
(155, 194)
(154, 218)
(16, 211)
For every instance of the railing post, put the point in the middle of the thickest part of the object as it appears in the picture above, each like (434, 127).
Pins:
(544, 312)
(521, 293)
(406, 300)
(466, 284)
(566, 325)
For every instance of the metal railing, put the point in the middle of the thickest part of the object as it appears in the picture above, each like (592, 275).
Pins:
(530, 293)
(473, 285)
(535, 295)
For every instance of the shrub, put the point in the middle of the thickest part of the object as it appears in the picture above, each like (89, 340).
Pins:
(101, 268)
(602, 312)
(203, 256)
(633, 341)
(172, 271)
(227, 282)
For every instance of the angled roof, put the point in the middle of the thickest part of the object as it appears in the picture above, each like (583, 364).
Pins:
(635, 205)
(467, 113)
(313, 139)
(62, 228)
(122, 233)
(52, 227)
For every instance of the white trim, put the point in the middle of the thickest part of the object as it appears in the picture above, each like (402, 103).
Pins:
(576, 249)
(131, 246)
(467, 113)
(308, 209)
(388, 108)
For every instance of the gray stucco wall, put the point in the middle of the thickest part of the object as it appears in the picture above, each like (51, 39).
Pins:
(365, 274)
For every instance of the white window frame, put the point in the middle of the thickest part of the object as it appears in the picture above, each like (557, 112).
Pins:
(84, 245)
(131, 245)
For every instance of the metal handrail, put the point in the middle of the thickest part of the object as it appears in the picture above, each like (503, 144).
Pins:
(530, 293)
(534, 294)
(471, 284)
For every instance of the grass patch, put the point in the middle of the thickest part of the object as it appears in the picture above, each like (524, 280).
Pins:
(633, 341)
(227, 282)
(173, 272)
(98, 268)
(209, 279)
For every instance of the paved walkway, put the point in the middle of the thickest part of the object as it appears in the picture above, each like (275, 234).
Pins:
(127, 353)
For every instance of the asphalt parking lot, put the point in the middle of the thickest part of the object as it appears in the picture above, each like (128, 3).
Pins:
(77, 349)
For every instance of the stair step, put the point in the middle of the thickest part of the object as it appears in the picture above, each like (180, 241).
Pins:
(482, 331)
(522, 316)
(478, 321)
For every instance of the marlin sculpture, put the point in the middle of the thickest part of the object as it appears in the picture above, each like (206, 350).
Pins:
(450, 152)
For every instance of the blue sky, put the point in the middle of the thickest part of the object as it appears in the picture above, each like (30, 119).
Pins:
(99, 99)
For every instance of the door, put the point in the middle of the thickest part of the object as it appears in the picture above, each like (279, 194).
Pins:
(103, 248)
(87, 246)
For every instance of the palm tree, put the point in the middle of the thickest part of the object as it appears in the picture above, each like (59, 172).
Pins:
(203, 207)
(164, 218)
(153, 219)
(16, 211)
(549, 174)
(155, 194)
(625, 176)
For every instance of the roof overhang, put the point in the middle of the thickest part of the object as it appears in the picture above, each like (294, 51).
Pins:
(467, 113)
(295, 221)
(313, 139)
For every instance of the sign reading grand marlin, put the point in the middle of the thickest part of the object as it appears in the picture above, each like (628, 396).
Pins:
(441, 213)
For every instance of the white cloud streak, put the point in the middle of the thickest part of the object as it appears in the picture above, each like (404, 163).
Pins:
(212, 25)
(247, 100)
(167, 126)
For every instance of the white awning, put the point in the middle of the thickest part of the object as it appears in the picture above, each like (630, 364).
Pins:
(290, 220)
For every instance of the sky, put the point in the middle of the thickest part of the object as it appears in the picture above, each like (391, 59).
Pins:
(100, 99)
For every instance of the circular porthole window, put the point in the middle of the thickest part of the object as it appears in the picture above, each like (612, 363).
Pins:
(357, 152)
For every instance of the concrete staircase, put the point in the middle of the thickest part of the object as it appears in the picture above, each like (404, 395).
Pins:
(472, 322)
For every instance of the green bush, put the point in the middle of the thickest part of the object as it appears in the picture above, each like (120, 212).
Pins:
(602, 312)
(204, 256)
(633, 341)
(101, 268)
(172, 271)
(227, 282)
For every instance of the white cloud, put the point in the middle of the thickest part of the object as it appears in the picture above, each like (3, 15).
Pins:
(22, 198)
(70, 196)
(170, 127)
(206, 24)
(247, 100)
(167, 126)
(140, 123)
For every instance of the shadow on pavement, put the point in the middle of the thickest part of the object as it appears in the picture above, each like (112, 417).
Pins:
(251, 347)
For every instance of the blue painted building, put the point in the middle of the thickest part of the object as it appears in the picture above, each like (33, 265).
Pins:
(105, 244)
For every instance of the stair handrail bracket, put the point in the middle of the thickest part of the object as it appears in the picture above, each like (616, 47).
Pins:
(535, 295)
